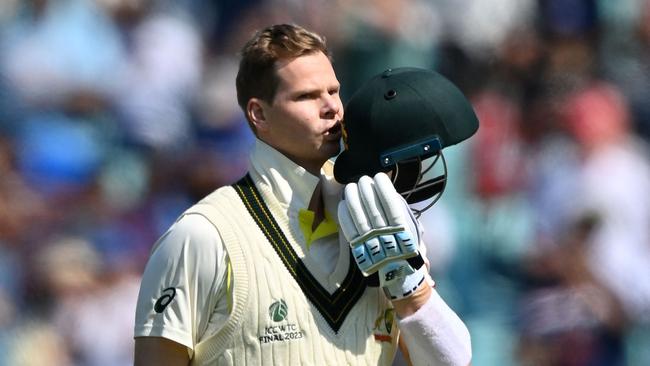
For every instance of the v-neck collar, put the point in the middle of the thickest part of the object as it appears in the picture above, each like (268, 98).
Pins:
(282, 181)
(333, 306)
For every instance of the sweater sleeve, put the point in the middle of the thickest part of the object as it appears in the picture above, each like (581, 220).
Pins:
(435, 335)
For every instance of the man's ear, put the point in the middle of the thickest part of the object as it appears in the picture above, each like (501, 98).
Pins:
(255, 110)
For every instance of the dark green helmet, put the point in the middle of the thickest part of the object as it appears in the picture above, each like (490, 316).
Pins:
(397, 119)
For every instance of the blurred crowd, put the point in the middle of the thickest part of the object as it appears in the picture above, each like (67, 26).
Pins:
(116, 115)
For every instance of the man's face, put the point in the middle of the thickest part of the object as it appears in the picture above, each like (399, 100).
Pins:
(303, 121)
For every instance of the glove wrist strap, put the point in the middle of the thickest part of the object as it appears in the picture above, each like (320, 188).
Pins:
(396, 290)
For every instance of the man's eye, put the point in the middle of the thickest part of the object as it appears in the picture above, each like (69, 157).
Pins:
(305, 96)
(333, 91)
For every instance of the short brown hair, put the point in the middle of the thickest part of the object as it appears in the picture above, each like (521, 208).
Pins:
(256, 77)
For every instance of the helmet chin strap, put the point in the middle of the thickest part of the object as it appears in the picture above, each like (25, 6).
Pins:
(417, 186)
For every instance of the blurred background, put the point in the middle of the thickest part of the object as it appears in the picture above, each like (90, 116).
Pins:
(116, 115)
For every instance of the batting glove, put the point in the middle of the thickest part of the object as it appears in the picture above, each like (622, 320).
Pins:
(382, 233)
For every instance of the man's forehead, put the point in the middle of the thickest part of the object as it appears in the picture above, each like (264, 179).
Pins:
(307, 71)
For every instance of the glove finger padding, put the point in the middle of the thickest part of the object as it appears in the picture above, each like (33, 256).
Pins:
(396, 212)
(391, 201)
(355, 208)
(346, 222)
(371, 202)
(377, 223)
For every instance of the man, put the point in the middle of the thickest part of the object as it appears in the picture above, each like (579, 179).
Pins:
(258, 273)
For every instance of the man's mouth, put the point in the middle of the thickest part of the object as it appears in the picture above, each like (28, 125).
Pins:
(334, 133)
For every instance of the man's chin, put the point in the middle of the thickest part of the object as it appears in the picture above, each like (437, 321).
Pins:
(333, 150)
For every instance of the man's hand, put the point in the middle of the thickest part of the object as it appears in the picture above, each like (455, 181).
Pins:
(383, 233)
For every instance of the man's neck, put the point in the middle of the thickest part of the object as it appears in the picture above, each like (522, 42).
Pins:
(312, 167)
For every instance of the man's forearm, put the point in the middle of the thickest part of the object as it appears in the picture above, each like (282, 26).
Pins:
(159, 351)
(409, 305)
(431, 330)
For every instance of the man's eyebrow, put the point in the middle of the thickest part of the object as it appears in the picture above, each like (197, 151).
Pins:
(313, 89)
(304, 91)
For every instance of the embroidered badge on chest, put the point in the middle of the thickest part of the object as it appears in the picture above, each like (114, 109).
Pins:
(279, 329)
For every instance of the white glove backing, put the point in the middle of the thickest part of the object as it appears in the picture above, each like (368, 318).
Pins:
(382, 233)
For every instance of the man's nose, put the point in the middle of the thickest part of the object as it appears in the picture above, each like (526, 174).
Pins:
(332, 106)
